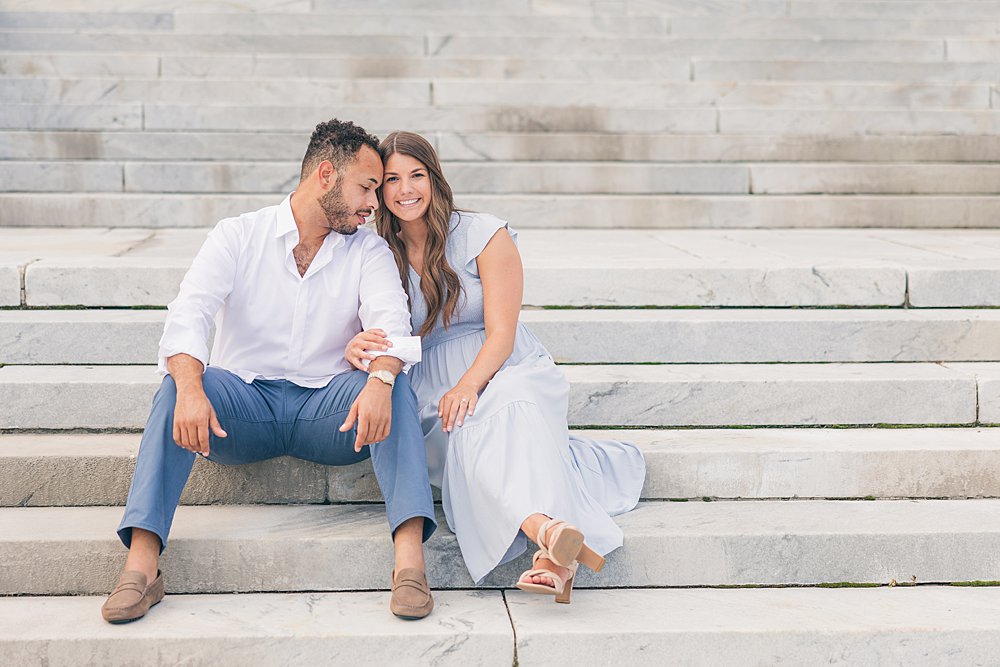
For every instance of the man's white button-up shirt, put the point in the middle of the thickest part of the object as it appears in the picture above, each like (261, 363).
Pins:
(272, 323)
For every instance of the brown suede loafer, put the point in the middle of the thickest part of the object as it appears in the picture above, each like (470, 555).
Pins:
(132, 598)
(411, 596)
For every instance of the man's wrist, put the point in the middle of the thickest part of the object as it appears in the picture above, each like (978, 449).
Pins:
(384, 377)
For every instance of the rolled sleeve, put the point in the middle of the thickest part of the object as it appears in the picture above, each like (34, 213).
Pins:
(383, 301)
(204, 289)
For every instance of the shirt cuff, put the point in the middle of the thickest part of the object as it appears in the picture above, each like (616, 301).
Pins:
(405, 348)
(192, 348)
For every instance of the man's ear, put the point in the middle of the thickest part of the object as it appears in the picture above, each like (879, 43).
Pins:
(327, 174)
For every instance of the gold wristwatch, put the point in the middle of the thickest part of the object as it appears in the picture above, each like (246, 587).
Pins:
(384, 376)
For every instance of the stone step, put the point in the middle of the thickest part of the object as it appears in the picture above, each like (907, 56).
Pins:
(311, 67)
(698, 627)
(587, 336)
(373, 23)
(442, 43)
(43, 470)
(573, 267)
(449, 93)
(543, 25)
(103, 397)
(728, 120)
(814, 70)
(510, 147)
(983, 9)
(832, 26)
(467, 627)
(481, 177)
(74, 551)
(526, 211)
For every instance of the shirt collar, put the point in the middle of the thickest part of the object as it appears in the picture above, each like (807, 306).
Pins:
(286, 221)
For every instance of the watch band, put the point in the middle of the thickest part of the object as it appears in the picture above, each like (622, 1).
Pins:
(385, 376)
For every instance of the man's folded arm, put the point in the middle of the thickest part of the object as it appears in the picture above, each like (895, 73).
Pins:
(203, 291)
(384, 306)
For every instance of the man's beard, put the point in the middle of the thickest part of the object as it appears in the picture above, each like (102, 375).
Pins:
(338, 214)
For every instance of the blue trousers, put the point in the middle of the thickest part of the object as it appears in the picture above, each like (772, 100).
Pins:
(269, 418)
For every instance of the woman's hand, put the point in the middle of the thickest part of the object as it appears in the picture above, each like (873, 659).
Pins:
(357, 349)
(456, 404)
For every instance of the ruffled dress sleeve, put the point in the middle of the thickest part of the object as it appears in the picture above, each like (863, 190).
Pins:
(481, 230)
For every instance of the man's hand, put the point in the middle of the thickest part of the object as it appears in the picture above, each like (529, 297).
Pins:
(193, 412)
(193, 416)
(372, 410)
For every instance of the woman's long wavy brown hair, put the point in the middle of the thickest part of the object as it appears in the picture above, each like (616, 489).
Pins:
(439, 283)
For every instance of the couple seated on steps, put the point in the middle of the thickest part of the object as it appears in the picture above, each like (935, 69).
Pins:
(313, 358)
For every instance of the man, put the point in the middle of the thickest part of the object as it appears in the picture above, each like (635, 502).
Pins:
(291, 285)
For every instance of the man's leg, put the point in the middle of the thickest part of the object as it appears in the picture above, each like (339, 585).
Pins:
(400, 460)
(163, 467)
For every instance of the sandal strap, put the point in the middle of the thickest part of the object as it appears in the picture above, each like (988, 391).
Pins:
(556, 579)
(543, 530)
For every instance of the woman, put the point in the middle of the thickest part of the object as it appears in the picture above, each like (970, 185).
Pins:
(493, 404)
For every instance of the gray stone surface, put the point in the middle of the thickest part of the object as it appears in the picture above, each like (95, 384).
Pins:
(860, 121)
(103, 282)
(705, 627)
(61, 176)
(734, 336)
(475, 177)
(40, 470)
(798, 70)
(507, 118)
(86, 91)
(77, 64)
(769, 394)
(158, 210)
(987, 9)
(80, 337)
(917, 50)
(376, 23)
(467, 627)
(783, 95)
(875, 179)
(740, 212)
(96, 469)
(314, 547)
(400, 67)
(66, 397)
(708, 147)
(72, 117)
(578, 267)
(585, 336)
(160, 42)
(961, 284)
(988, 381)
(830, 27)
(10, 285)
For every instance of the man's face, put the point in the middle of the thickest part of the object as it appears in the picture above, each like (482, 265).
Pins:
(352, 198)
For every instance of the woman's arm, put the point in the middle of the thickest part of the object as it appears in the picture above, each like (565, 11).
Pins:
(503, 286)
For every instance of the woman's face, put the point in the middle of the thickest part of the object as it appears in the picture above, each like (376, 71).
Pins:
(406, 189)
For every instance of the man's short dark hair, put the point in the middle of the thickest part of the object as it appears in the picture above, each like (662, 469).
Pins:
(337, 141)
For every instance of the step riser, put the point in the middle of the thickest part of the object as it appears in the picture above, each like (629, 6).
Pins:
(466, 628)
(18, 145)
(519, 178)
(119, 397)
(458, 93)
(326, 559)
(539, 211)
(680, 464)
(23, 341)
(49, 284)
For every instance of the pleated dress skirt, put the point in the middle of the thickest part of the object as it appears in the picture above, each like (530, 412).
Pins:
(516, 456)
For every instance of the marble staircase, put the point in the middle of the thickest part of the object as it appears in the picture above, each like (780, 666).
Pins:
(760, 236)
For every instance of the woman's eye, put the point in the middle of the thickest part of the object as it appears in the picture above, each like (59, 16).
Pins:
(391, 179)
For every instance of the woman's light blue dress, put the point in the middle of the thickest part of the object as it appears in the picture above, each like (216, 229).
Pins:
(515, 456)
